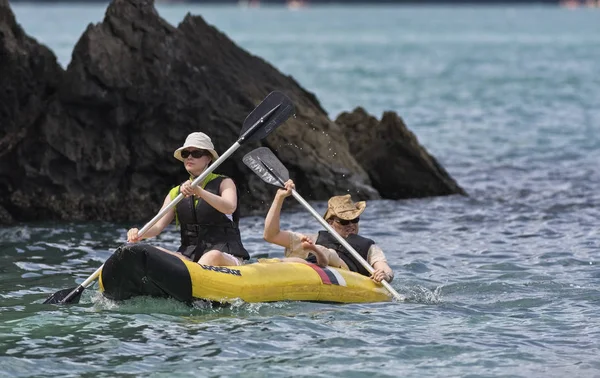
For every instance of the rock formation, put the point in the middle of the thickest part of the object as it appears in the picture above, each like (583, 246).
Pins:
(398, 166)
(29, 78)
(96, 141)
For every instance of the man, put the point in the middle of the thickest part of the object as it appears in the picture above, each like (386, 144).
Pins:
(343, 216)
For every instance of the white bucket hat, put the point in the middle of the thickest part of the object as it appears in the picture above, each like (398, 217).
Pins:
(197, 140)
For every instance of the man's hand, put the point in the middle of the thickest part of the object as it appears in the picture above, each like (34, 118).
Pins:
(380, 275)
(322, 259)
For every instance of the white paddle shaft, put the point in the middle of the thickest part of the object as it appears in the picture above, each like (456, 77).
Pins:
(344, 243)
(173, 203)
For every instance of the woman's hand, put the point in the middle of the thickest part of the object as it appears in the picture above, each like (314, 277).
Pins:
(133, 236)
(188, 190)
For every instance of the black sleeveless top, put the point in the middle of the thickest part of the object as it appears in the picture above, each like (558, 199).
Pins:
(359, 243)
(204, 228)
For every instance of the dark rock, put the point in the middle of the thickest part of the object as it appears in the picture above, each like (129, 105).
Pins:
(96, 142)
(29, 78)
(399, 167)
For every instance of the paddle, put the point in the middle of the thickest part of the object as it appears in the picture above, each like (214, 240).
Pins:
(272, 171)
(275, 109)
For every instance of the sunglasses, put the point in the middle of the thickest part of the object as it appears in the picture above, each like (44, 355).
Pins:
(196, 154)
(345, 222)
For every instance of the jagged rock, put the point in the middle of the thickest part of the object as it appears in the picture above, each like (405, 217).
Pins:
(97, 142)
(399, 167)
(29, 78)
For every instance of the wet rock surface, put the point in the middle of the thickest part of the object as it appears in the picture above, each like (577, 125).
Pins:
(96, 141)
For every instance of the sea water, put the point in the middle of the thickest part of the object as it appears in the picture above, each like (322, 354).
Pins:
(503, 282)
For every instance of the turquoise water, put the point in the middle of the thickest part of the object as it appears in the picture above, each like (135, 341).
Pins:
(502, 283)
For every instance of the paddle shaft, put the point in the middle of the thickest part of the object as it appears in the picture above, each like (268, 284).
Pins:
(158, 216)
(344, 243)
(279, 182)
(180, 196)
(208, 171)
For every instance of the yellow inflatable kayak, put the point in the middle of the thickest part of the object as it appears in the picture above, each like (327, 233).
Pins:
(144, 270)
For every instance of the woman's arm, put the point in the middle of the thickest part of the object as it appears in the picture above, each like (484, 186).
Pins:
(133, 234)
(224, 202)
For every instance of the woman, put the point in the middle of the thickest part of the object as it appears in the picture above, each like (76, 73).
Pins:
(343, 216)
(208, 215)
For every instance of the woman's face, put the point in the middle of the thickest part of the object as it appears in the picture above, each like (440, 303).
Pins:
(344, 227)
(195, 160)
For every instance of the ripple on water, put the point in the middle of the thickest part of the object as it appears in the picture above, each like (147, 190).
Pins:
(503, 282)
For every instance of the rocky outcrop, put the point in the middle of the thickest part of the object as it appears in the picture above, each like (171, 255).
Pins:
(29, 78)
(96, 141)
(398, 166)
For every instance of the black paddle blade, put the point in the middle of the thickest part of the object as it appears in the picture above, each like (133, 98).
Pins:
(266, 165)
(274, 110)
(62, 296)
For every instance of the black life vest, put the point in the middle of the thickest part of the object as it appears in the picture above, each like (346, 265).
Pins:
(204, 228)
(359, 243)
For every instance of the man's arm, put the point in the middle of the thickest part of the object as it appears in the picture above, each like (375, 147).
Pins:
(377, 260)
(271, 232)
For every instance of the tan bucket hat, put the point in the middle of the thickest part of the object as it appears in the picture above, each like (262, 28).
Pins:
(343, 208)
(197, 140)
